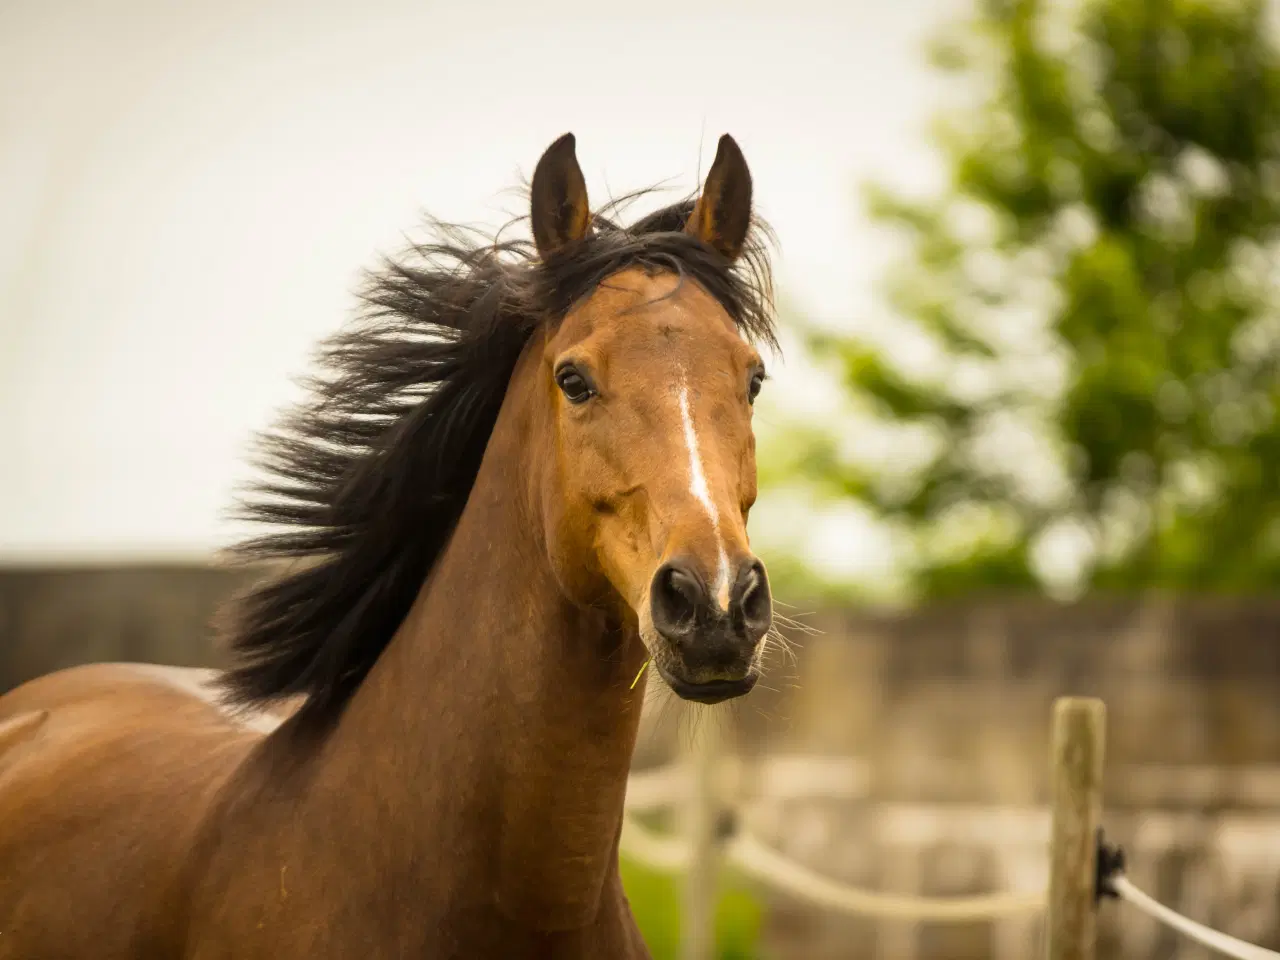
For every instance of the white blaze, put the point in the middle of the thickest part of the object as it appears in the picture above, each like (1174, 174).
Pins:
(698, 487)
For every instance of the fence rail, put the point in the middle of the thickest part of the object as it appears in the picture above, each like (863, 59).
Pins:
(1082, 868)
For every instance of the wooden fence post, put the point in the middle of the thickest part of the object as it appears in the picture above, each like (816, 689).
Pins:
(1075, 785)
(698, 936)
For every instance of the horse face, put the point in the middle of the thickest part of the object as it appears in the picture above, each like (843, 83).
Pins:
(652, 470)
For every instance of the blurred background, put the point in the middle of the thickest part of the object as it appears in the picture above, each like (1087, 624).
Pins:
(1022, 440)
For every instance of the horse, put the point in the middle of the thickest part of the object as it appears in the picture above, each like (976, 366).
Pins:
(522, 475)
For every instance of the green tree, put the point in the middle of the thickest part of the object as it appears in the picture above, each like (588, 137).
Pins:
(1098, 285)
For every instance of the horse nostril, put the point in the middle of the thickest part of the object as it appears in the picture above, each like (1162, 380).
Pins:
(751, 600)
(676, 596)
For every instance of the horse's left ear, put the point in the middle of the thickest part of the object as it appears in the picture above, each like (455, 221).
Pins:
(722, 215)
(560, 214)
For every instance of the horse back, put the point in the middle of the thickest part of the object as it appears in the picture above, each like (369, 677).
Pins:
(107, 775)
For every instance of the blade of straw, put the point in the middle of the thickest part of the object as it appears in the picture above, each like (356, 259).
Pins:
(639, 675)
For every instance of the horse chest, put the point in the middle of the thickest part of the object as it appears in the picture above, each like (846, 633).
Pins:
(335, 917)
(454, 938)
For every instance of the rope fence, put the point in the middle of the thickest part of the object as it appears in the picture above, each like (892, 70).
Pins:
(1214, 939)
(767, 866)
(1113, 883)
(1084, 869)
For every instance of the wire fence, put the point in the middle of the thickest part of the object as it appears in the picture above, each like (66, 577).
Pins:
(1083, 868)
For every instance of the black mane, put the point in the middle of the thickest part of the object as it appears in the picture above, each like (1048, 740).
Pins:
(366, 481)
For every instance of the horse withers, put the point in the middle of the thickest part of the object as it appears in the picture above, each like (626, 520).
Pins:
(524, 474)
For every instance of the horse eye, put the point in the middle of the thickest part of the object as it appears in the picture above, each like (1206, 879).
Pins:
(753, 389)
(574, 385)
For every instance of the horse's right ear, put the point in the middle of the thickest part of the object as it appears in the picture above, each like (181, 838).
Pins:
(560, 213)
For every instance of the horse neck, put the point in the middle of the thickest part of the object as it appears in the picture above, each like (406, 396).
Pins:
(500, 721)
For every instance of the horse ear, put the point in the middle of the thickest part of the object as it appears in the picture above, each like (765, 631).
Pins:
(722, 215)
(560, 213)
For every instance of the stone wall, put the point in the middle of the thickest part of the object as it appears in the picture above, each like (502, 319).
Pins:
(61, 617)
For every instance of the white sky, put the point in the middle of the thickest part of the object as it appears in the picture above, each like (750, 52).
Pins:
(188, 191)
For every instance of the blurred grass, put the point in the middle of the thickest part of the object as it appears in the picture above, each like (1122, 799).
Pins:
(655, 901)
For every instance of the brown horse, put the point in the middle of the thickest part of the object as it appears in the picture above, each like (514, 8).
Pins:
(526, 472)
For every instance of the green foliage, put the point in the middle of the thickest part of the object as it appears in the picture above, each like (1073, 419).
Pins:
(655, 901)
(1100, 279)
